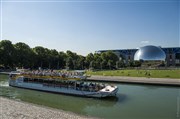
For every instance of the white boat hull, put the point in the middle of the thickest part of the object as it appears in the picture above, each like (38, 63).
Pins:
(107, 91)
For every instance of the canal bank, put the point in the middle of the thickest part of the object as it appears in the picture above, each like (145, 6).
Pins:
(11, 109)
(5, 73)
(136, 80)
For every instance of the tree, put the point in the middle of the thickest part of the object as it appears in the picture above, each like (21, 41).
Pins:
(89, 60)
(110, 62)
(121, 64)
(109, 59)
(130, 64)
(53, 59)
(7, 53)
(62, 60)
(69, 63)
(137, 63)
(97, 61)
(41, 57)
(71, 60)
(80, 62)
(21, 55)
(24, 55)
(1, 58)
(104, 60)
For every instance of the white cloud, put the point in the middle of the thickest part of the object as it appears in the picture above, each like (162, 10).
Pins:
(144, 42)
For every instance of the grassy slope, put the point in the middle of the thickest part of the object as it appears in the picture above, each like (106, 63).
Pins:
(139, 73)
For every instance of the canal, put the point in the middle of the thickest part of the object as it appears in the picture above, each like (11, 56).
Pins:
(132, 101)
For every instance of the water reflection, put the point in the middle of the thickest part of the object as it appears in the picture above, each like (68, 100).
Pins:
(8, 92)
(122, 98)
(106, 102)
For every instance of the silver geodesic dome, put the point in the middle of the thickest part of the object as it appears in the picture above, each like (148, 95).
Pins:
(150, 53)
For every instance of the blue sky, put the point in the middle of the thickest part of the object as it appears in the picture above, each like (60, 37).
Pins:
(88, 26)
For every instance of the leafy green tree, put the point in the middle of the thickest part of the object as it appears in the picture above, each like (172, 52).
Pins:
(21, 55)
(61, 60)
(41, 57)
(104, 60)
(97, 61)
(110, 62)
(24, 55)
(121, 64)
(80, 62)
(69, 63)
(137, 63)
(7, 53)
(53, 59)
(1, 56)
(71, 60)
(89, 60)
(130, 64)
(109, 59)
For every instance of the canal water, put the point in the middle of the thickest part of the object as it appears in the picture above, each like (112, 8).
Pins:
(132, 101)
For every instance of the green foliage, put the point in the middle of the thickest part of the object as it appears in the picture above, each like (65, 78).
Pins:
(109, 60)
(24, 56)
(21, 55)
(7, 53)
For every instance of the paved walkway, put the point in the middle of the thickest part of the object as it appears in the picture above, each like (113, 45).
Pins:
(142, 80)
(11, 109)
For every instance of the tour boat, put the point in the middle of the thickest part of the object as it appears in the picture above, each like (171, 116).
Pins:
(57, 84)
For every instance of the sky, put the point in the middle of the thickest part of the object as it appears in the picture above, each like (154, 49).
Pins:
(85, 26)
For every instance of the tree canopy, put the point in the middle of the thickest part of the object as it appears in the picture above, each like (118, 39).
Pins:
(21, 55)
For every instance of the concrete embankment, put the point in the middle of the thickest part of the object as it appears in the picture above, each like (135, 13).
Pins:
(5, 73)
(11, 109)
(137, 80)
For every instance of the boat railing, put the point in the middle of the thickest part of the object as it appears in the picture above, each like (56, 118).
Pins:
(45, 77)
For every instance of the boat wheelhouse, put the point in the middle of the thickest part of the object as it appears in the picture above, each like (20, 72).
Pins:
(55, 84)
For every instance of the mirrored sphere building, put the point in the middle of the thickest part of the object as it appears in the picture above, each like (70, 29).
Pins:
(150, 53)
(171, 55)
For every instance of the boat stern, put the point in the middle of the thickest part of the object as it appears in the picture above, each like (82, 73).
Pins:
(109, 91)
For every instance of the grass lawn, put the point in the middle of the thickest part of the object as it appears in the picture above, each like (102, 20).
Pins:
(139, 73)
